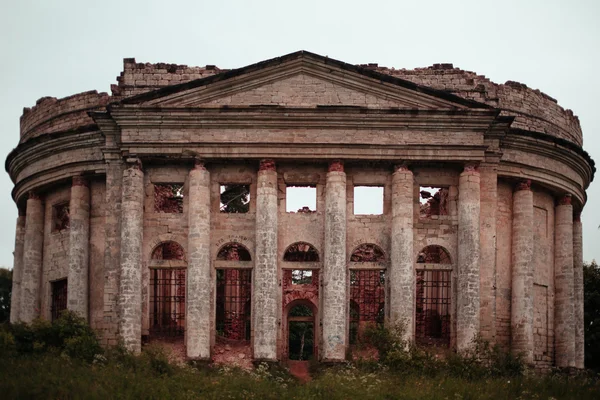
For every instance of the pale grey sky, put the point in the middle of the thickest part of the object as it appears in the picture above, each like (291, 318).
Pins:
(58, 48)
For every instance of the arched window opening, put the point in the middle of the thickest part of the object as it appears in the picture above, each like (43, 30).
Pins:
(434, 255)
(433, 297)
(168, 251)
(301, 252)
(368, 252)
(233, 303)
(233, 252)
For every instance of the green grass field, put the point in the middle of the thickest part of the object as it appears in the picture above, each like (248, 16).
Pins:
(55, 376)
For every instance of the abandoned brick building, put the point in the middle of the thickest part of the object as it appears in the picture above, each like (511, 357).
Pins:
(163, 210)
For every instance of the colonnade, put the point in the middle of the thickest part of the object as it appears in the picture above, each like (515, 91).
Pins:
(265, 316)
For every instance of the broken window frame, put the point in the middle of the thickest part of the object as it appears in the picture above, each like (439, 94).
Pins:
(60, 222)
(431, 206)
(434, 291)
(233, 251)
(174, 202)
(379, 258)
(303, 209)
(354, 205)
(242, 208)
(178, 253)
(312, 254)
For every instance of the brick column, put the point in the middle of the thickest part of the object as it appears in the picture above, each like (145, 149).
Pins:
(79, 236)
(15, 301)
(334, 266)
(578, 289)
(130, 282)
(564, 310)
(521, 316)
(33, 247)
(487, 229)
(265, 315)
(402, 274)
(467, 323)
(197, 335)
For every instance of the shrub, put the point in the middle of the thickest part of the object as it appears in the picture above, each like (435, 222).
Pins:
(69, 334)
(481, 360)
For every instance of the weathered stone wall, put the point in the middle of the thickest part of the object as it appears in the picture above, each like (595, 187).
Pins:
(56, 115)
(56, 248)
(160, 227)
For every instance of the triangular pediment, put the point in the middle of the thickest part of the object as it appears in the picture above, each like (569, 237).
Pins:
(301, 80)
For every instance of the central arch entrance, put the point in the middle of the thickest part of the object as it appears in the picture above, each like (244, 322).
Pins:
(301, 335)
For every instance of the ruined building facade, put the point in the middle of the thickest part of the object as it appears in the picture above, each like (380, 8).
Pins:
(163, 210)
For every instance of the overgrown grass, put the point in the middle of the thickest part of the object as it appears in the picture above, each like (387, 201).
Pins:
(41, 362)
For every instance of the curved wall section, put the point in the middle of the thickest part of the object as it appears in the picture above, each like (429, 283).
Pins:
(56, 115)
(534, 110)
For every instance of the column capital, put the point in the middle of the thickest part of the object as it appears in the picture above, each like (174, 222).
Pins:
(471, 167)
(524, 184)
(31, 195)
(267, 164)
(199, 164)
(336, 166)
(133, 162)
(79, 180)
(402, 167)
(564, 200)
(577, 216)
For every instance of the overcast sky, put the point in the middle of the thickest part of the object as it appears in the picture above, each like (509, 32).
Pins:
(59, 48)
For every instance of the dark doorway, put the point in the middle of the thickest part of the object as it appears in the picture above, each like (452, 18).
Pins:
(301, 333)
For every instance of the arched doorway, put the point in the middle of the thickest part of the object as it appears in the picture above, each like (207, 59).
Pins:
(301, 332)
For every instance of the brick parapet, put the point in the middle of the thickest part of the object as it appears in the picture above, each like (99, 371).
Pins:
(534, 110)
(138, 78)
(57, 115)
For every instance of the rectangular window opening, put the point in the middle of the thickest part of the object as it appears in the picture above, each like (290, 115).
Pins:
(433, 201)
(60, 217)
(433, 300)
(234, 303)
(59, 298)
(235, 198)
(167, 302)
(168, 198)
(302, 277)
(368, 200)
(301, 199)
